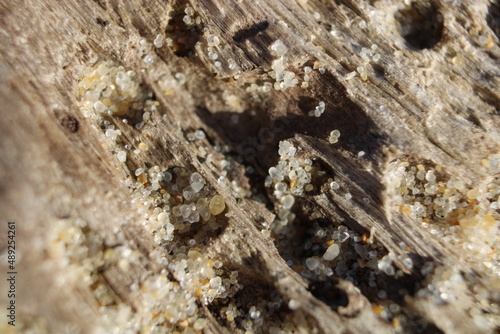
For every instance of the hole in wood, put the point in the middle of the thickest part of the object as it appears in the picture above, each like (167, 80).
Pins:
(420, 24)
(493, 18)
(184, 31)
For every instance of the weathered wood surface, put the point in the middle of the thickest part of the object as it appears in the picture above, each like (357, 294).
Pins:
(415, 102)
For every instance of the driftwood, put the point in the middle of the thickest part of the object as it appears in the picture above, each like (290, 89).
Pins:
(433, 96)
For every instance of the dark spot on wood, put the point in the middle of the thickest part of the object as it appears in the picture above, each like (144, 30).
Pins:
(102, 22)
(250, 32)
(379, 71)
(330, 294)
(101, 3)
(493, 18)
(70, 123)
(419, 26)
(473, 119)
(488, 96)
(184, 37)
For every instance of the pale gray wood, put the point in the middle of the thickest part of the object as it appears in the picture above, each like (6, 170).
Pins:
(415, 102)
